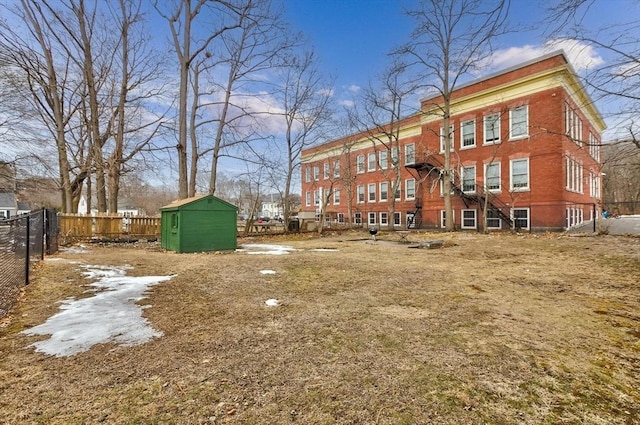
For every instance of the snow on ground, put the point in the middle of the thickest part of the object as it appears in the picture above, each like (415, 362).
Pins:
(267, 272)
(257, 248)
(272, 302)
(111, 315)
(324, 250)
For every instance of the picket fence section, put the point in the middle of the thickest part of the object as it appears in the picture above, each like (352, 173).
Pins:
(76, 226)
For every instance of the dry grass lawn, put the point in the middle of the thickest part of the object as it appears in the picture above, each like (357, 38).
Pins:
(491, 329)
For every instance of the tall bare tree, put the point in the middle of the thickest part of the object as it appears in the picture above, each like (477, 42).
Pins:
(451, 38)
(617, 79)
(305, 107)
(382, 109)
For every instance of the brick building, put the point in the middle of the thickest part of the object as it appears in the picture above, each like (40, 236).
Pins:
(525, 154)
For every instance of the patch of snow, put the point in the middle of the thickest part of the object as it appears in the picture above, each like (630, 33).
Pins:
(266, 249)
(324, 250)
(111, 315)
(80, 249)
(267, 272)
(272, 302)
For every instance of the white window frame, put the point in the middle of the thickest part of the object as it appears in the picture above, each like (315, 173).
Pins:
(453, 138)
(325, 171)
(384, 218)
(336, 197)
(360, 194)
(383, 159)
(360, 164)
(371, 162)
(316, 173)
(398, 193)
(307, 197)
(499, 177)
(466, 220)
(340, 218)
(397, 219)
(409, 154)
(465, 125)
(407, 195)
(594, 186)
(307, 174)
(512, 188)
(443, 221)
(465, 171)
(371, 193)
(395, 156)
(521, 134)
(493, 120)
(384, 191)
(371, 219)
(497, 218)
(357, 218)
(594, 147)
(453, 179)
(528, 219)
(336, 168)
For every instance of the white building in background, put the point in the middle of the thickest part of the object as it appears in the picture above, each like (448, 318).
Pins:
(125, 211)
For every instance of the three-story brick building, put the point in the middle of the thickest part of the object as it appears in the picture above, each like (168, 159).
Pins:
(525, 154)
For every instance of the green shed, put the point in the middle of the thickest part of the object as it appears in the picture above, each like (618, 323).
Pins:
(201, 223)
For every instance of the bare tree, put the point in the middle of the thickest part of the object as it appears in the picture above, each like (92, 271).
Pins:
(617, 79)
(451, 38)
(380, 118)
(222, 16)
(305, 105)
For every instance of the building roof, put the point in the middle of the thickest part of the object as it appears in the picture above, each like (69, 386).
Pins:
(7, 200)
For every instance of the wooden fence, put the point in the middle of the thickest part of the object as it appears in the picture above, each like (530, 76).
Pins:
(108, 227)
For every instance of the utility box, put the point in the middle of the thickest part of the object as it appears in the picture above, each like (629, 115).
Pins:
(201, 223)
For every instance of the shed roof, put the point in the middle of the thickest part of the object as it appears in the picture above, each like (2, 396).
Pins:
(180, 202)
(7, 200)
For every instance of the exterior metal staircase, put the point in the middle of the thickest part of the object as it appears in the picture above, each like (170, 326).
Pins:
(477, 196)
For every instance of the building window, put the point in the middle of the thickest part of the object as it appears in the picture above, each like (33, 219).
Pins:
(308, 198)
(361, 194)
(594, 147)
(384, 218)
(372, 192)
(520, 217)
(453, 179)
(336, 168)
(520, 174)
(371, 162)
(383, 159)
(410, 188)
(397, 219)
(572, 124)
(492, 176)
(325, 198)
(469, 219)
(394, 156)
(307, 174)
(411, 222)
(316, 197)
(336, 197)
(493, 219)
(469, 179)
(316, 173)
(492, 129)
(594, 187)
(360, 164)
(325, 170)
(399, 191)
(443, 218)
(518, 122)
(372, 218)
(357, 218)
(409, 154)
(442, 137)
(574, 174)
(468, 134)
(384, 191)
(340, 217)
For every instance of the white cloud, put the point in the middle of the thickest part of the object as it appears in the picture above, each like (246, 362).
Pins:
(353, 88)
(326, 92)
(581, 55)
(347, 103)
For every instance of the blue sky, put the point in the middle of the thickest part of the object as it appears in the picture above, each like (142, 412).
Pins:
(353, 37)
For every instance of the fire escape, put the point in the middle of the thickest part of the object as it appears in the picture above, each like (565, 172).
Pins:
(478, 195)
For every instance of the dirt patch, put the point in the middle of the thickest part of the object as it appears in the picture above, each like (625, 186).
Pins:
(500, 329)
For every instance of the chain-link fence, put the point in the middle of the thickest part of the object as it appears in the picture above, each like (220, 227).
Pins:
(23, 240)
